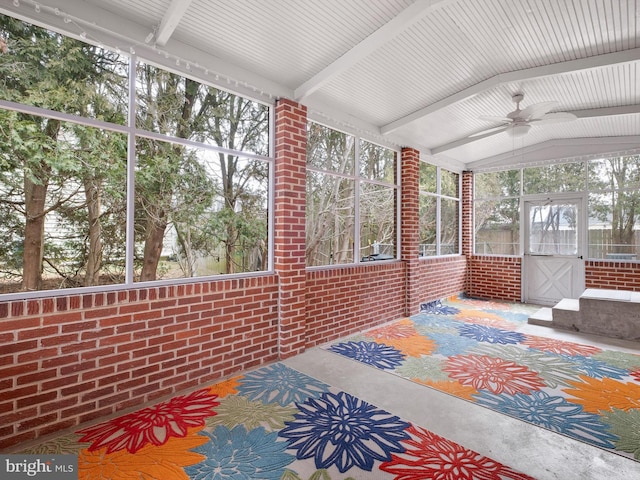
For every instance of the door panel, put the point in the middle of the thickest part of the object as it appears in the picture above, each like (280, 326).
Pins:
(553, 267)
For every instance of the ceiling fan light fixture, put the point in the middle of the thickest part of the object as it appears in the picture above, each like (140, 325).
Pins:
(519, 130)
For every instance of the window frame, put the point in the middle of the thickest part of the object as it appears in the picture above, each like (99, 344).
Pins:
(358, 180)
(439, 196)
(585, 193)
(132, 131)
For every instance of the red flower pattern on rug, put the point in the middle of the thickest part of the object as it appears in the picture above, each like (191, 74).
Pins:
(153, 425)
(431, 456)
(494, 374)
(560, 347)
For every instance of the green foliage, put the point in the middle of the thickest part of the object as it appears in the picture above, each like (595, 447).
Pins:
(82, 170)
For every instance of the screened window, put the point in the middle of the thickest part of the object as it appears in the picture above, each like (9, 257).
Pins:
(351, 199)
(614, 208)
(497, 213)
(439, 211)
(610, 185)
(564, 177)
(199, 158)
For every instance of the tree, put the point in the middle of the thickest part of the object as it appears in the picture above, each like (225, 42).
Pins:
(58, 73)
(166, 198)
(330, 215)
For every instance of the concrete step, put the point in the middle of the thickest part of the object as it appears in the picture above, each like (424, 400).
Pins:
(566, 313)
(543, 317)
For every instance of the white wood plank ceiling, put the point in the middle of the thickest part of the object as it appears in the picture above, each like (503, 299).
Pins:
(414, 73)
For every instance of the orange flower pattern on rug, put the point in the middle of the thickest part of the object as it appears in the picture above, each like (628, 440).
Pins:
(598, 395)
(226, 387)
(476, 351)
(484, 318)
(559, 346)
(494, 374)
(454, 388)
(150, 462)
(402, 336)
(153, 425)
(411, 346)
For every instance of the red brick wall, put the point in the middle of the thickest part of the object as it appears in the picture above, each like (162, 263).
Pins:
(342, 301)
(441, 277)
(495, 277)
(612, 275)
(71, 359)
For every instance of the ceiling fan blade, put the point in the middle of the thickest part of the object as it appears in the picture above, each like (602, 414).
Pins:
(490, 130)
(537, 110)
(555, 118)
(491, 118)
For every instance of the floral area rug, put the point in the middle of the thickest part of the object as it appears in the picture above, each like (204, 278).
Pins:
(273, 423)
(471, 349)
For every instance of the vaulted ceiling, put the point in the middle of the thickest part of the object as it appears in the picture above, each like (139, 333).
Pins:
(414, 73)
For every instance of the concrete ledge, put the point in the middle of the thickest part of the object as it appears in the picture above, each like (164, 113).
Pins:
(542, 317)
(603, 294)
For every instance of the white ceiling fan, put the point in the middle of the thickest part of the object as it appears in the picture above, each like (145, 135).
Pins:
(519, 122)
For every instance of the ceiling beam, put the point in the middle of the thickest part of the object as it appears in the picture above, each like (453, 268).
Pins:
(586, 113)
(560, 149)
(170, 21)
(405, 19)
(559, 68)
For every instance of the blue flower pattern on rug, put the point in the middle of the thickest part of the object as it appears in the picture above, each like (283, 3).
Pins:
(437, 308)
(279, 384)
(596, 368)
(553, 413)
(372, 353)
(343, 431)
(560, 393)
(450, 344)
(239, 454)
(483, 333)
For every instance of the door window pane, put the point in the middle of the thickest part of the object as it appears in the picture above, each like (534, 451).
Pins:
(553, 229)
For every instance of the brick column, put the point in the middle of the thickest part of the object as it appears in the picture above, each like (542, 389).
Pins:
(410, 216)
(289, 232)
(467, 223)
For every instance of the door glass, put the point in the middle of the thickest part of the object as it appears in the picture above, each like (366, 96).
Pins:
(553, 228)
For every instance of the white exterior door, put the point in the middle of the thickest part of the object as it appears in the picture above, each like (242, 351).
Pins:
(553, 266)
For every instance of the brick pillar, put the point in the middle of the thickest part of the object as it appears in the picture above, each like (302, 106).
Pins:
(289, 232)
(467, 223)
(410, 215)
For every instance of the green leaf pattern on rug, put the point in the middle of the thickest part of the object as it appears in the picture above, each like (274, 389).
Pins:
(238, 410)
(625, 424)
(423, 368)
(321, 474)
(65, 445)
(619, 359)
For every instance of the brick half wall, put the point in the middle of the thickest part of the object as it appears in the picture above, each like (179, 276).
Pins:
(72, 359)
(342, 301)
(441, 277)
(612, 275)
(494, 277)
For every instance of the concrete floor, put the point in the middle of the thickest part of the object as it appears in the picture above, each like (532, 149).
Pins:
(533, 450)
